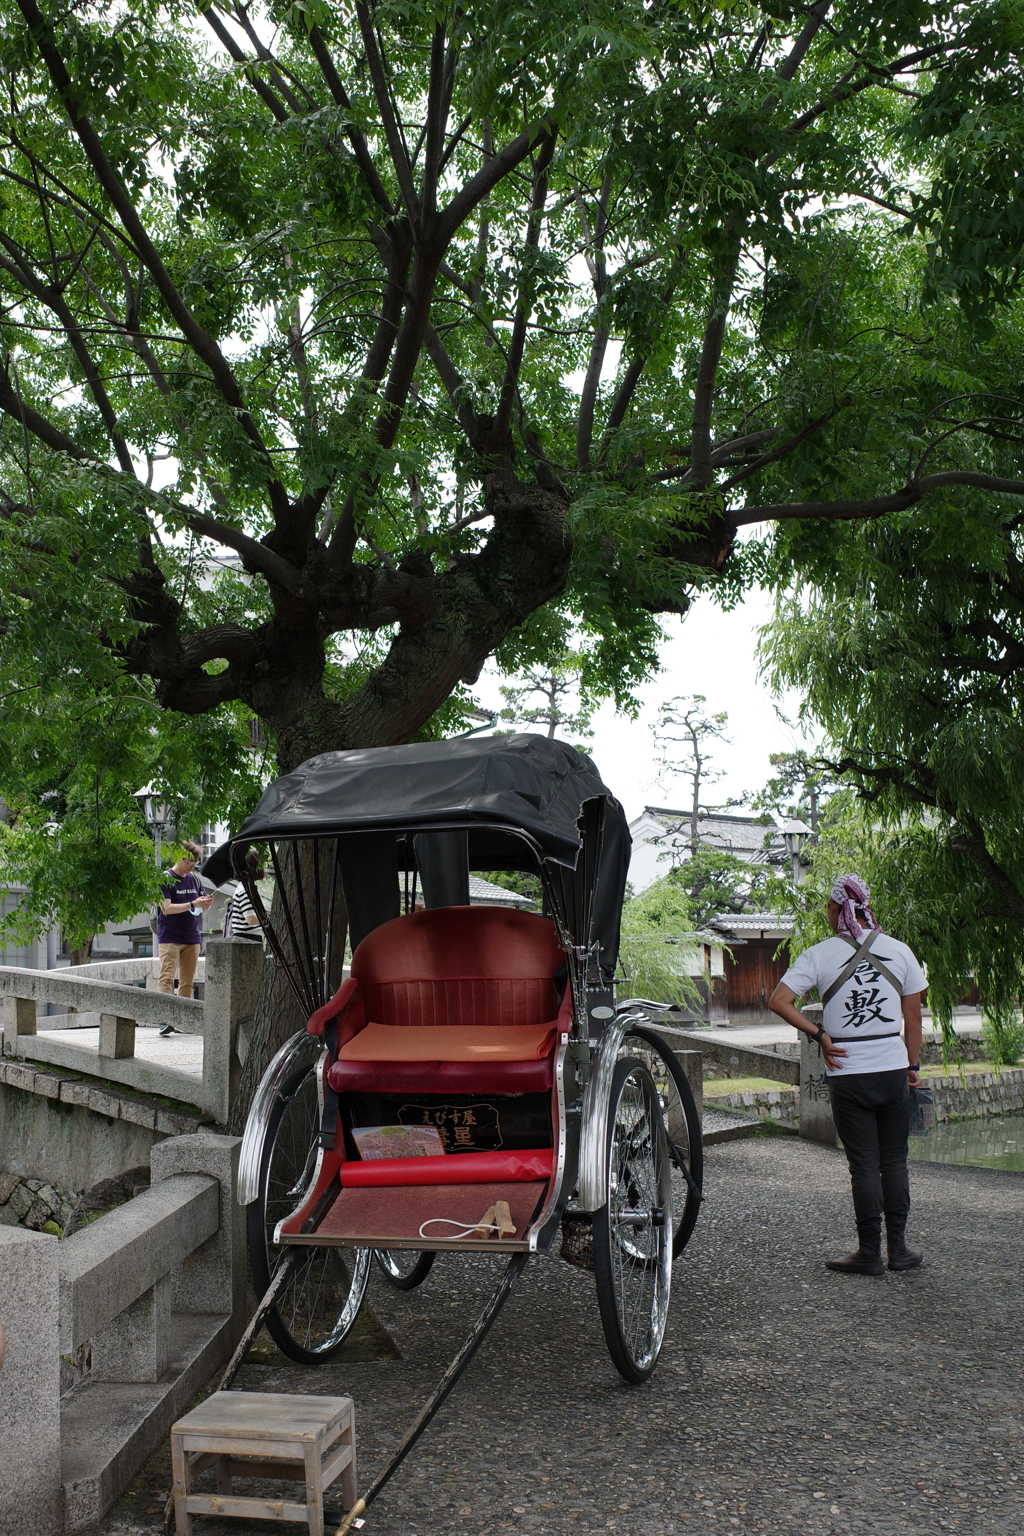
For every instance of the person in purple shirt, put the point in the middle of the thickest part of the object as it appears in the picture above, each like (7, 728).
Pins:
(178, 933)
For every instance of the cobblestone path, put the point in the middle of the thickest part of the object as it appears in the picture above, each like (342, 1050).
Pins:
(788, 1400)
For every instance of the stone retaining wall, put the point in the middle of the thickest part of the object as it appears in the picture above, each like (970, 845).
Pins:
(780, 1105)
(978, 1095)
(56, 1127)
(985, 1093)
(31, 1203)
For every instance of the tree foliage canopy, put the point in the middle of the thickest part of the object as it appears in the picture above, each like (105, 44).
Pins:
(460, 325)
(911, 652)
(478, 329)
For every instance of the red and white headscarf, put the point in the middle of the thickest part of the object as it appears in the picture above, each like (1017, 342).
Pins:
(851, 895)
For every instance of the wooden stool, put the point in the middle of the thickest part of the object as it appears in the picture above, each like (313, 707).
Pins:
(263, 1434)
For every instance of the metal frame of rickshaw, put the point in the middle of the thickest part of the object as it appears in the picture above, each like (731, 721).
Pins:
(582, 1117)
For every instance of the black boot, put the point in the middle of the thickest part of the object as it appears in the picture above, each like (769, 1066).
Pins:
(900, 1256)
(868, 1258)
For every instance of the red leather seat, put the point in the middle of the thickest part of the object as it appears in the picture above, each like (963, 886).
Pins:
(467, 1168)
(484, 967)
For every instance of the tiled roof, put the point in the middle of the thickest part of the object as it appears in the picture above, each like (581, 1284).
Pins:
(752, 922)
(736, 834)
(483, 894)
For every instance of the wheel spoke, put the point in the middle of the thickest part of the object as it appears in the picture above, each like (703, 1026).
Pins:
(323, 1296)
(635, 1234)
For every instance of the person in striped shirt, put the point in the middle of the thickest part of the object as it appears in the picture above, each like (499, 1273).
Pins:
(242, 922)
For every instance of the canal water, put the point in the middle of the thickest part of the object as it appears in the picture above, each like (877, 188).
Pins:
(988, 1143)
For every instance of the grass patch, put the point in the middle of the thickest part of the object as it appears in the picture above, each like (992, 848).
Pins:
(717, 1087)
(968, 1069)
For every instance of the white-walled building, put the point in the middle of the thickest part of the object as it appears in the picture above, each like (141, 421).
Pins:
(661, 839)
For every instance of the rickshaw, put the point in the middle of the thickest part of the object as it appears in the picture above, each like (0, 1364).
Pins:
(468, 1083)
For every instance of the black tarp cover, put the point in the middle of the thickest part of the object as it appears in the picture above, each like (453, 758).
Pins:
(370, 797)
(522, 781)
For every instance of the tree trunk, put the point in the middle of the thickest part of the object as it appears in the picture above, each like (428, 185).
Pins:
(83, 954)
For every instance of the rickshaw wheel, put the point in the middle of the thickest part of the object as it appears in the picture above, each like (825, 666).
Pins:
(320, 1303)
(404, 1268)
(632, 1232)
(682, 1123)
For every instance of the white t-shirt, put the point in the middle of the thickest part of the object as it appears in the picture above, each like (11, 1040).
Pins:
(867, 1005)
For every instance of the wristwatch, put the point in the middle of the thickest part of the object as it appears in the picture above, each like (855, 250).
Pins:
(818, 1033)
(915, 1066)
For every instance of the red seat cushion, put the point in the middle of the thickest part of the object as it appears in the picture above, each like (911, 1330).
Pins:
(463, 1168)
(464, 969)
(441, 1076)
(460, 965)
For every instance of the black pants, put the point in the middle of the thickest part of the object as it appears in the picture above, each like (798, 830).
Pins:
(872, 1115)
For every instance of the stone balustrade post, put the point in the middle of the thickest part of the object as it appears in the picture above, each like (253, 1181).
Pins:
(31, 1497)
(692, 1063)
(213, 1278)
(19, 1019)
(136, 1344)
(233, 971)
(816, 1123)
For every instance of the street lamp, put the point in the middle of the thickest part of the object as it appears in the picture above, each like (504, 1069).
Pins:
(157, 813)
(794, 835)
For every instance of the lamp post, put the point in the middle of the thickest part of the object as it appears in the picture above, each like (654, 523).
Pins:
(795, 834)
(157, 814)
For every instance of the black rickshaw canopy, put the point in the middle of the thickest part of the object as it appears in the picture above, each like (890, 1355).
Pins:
(521, 802)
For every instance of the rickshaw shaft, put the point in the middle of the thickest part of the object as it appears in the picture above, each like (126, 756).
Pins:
(516, 1264)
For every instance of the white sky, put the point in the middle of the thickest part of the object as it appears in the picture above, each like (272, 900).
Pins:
(708, 652)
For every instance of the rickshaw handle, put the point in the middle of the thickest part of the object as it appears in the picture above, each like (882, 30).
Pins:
(516, 1264)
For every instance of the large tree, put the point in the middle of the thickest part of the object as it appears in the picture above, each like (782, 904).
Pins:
(435, 315)
(909, 644)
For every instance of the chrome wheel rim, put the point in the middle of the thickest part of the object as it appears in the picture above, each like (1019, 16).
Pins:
(639, 1217)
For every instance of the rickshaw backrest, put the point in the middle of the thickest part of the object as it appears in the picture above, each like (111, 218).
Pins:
(460, 965)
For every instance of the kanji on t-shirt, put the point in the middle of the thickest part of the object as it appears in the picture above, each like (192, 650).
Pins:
(867, 1008)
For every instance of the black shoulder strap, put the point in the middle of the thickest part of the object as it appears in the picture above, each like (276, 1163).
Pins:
(851, 965)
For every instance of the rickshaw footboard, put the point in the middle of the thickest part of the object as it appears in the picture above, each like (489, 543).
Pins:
(436, 1216)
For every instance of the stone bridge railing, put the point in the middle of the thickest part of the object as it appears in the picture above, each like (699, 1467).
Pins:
(118, 1008)
(144, 1303)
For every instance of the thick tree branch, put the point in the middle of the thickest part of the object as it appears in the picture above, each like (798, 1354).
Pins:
(876, 506)
(488, 176)
(255, 556)
(262, 89)
(599, 344)
(201, 342)
(389, 120)
(50, 296)
(707, 374)
(791, 63)
(877, 75)
(436, 122)
(783, 449)
(514, 359)
(736, 448)
(971, 842)
(455, 386)
(356, 137)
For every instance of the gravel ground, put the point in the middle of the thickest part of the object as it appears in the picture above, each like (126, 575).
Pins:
(788, 1400)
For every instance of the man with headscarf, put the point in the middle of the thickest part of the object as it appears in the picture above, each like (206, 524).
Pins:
(866, 981)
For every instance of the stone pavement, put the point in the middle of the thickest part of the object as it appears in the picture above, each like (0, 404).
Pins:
(787, 1401)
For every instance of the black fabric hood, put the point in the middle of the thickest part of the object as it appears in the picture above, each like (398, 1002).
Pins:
(522, 781)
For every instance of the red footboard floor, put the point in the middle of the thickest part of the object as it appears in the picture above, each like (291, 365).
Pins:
(378, 1217)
